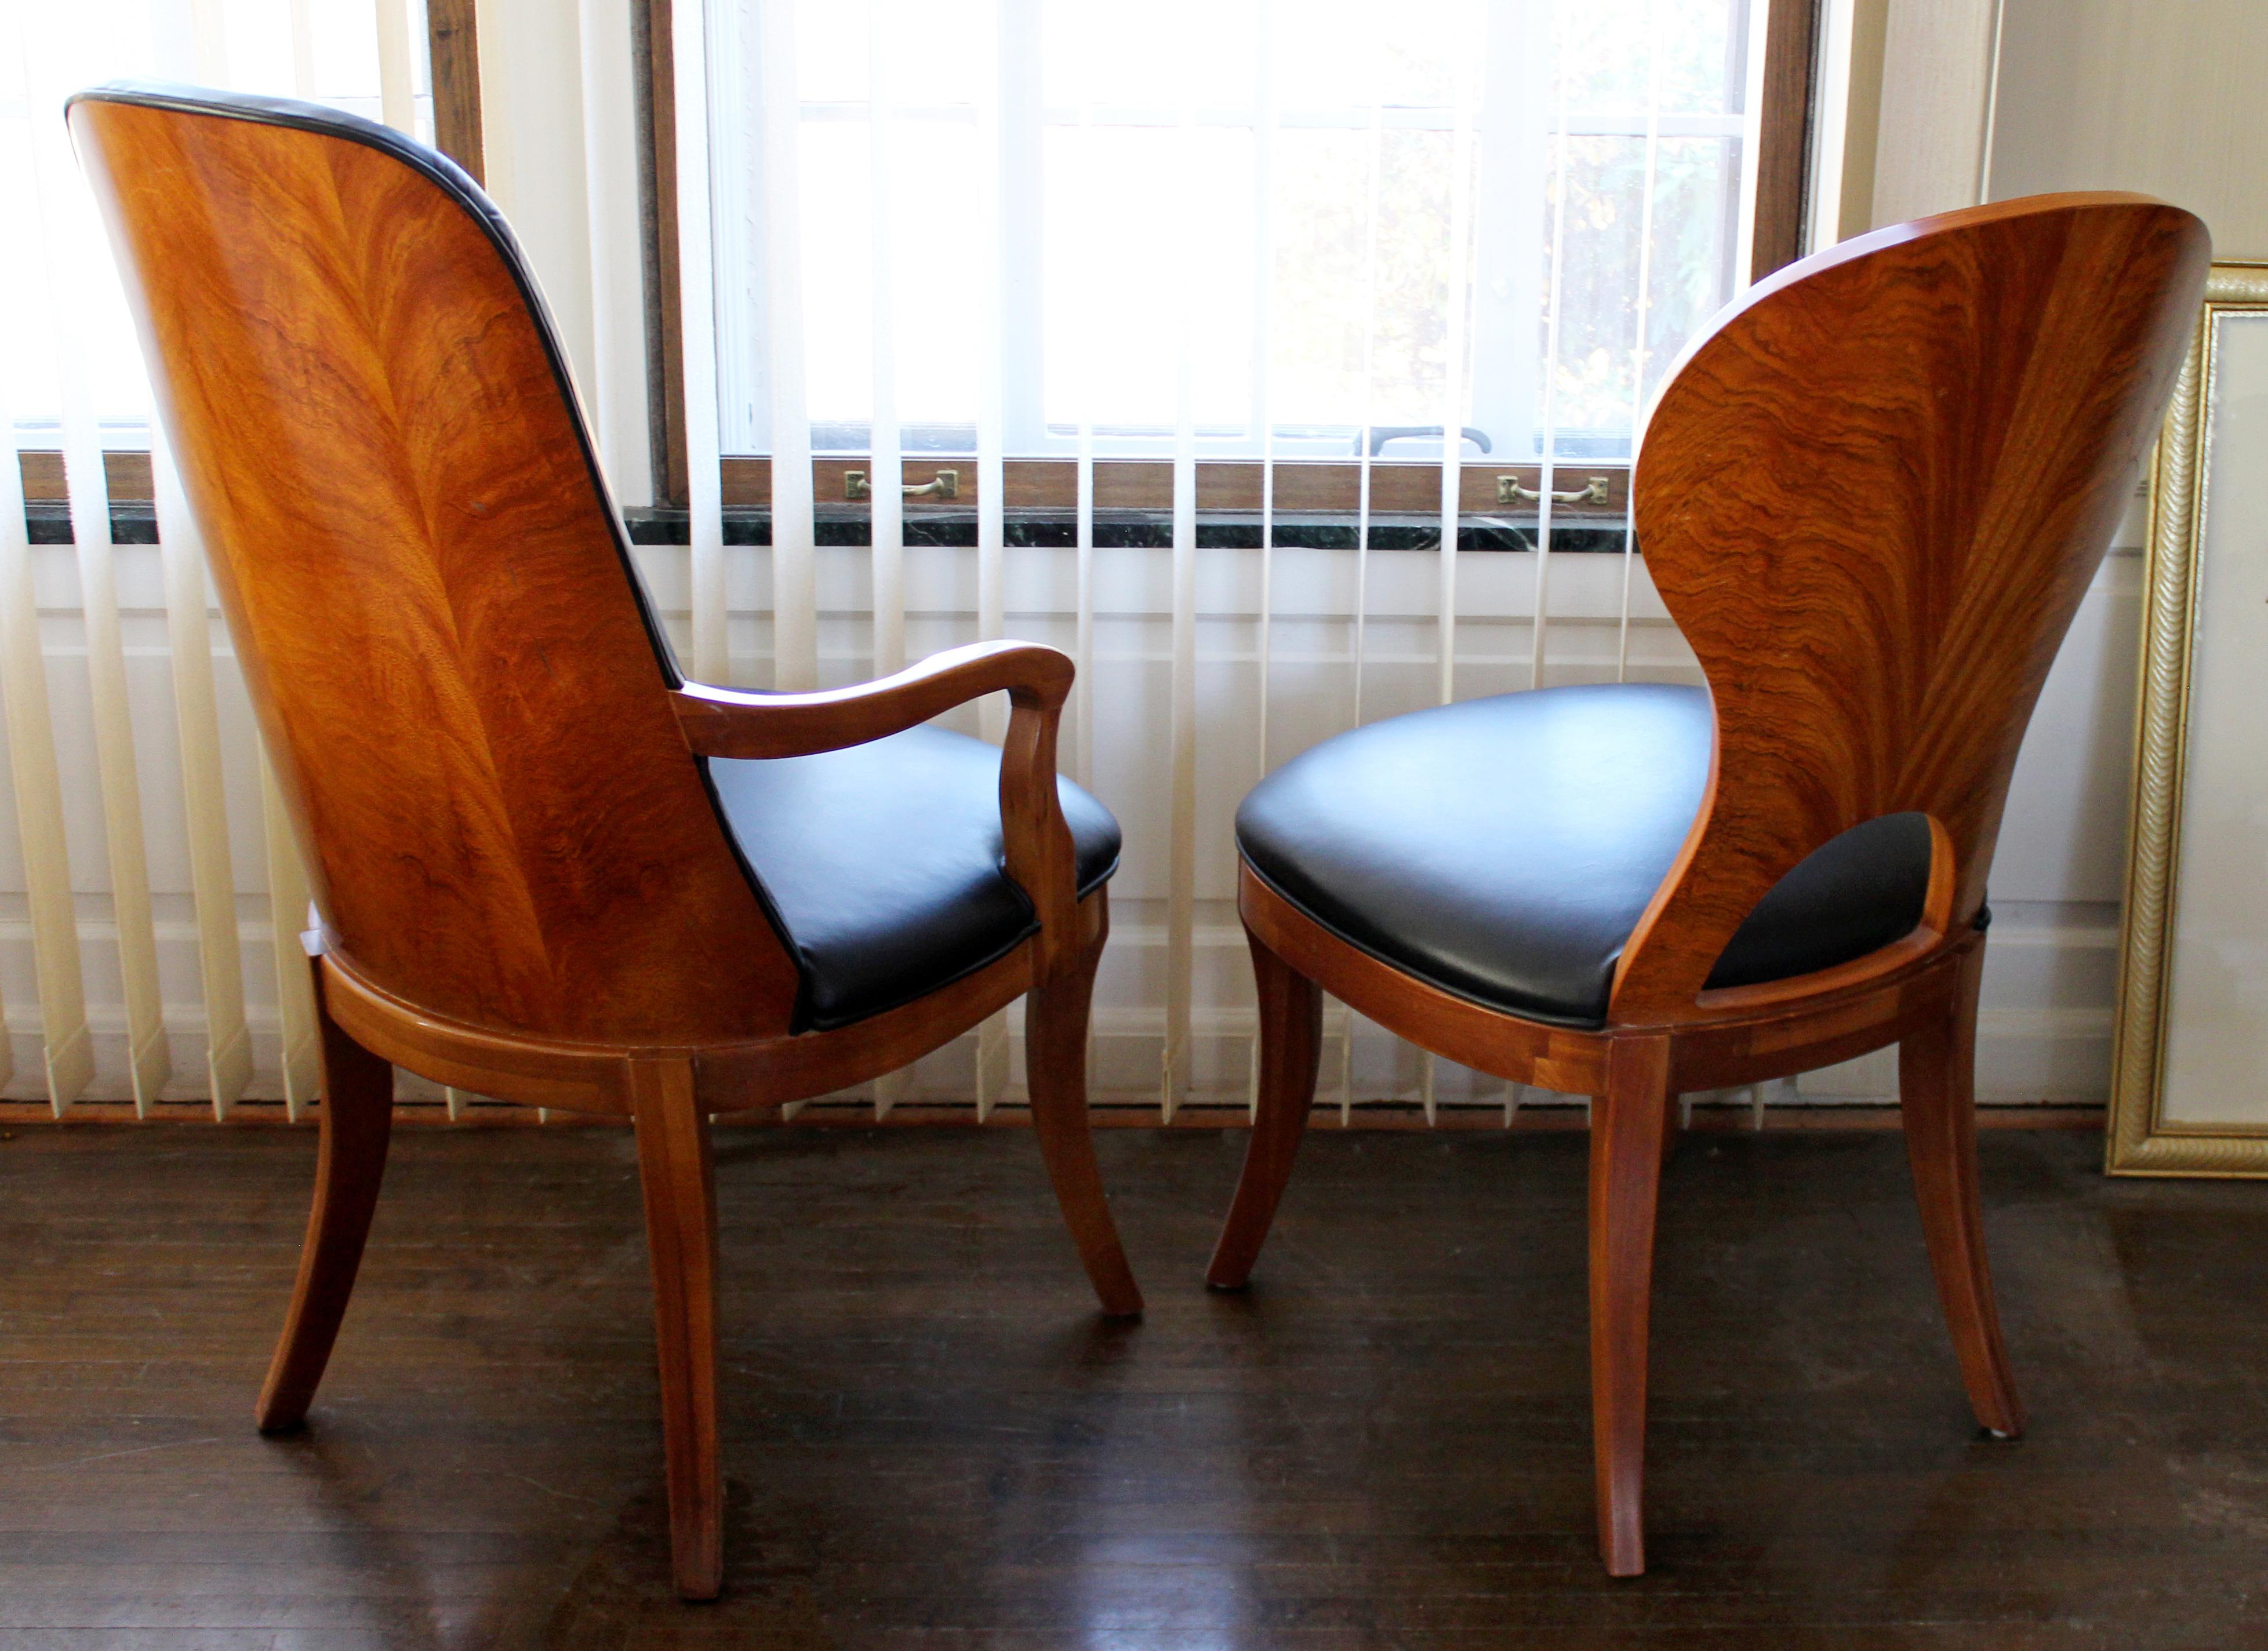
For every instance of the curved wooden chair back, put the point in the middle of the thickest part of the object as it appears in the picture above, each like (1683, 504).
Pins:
(1873, 497)
(465, 697)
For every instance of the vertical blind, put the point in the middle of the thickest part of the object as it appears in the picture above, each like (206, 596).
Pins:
(1242, 231)
(154, 870)
(141, 806)
(1184, 295)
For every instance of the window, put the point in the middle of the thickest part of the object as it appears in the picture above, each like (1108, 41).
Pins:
(1312, 176)
(329, 53)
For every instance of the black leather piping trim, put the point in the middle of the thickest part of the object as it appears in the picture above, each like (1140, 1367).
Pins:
(1573, 1023)
(322, 121)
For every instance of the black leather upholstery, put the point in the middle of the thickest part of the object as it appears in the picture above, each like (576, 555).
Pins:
(1503, 848)
(881, 864)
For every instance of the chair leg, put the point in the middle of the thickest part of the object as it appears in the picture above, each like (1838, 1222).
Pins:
(1291, 1050)
(1054, 1065)
(1937, 1087)
(1630, 1135)
(355, 1120)
(679, 1176)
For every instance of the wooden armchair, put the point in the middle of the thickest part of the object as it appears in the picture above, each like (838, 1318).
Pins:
(1872, 496)
(548, 868)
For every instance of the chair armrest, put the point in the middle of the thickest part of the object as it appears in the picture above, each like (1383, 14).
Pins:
(731, 723)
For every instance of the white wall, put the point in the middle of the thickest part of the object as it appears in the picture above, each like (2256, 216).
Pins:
(1937, 74)
(2168, 98)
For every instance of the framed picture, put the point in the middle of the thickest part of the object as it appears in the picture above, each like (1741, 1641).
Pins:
(2190, 1078)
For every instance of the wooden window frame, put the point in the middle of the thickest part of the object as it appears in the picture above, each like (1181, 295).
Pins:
(1790, 93)
(1783, 180)
(654, 82)
(1788, 89)
(453, 41)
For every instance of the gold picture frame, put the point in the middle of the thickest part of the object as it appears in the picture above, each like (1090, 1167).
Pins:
(2146, 1136)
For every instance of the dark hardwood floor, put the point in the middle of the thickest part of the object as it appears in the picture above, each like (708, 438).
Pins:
(933, 1441)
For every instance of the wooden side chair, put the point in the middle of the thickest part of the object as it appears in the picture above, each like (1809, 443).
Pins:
(548, 867)
(1873, 497)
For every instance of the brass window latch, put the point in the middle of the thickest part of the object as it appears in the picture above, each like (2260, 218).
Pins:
(946, 485)
(1509, 492)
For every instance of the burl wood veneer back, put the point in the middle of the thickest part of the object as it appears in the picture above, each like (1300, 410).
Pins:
(422, 578)
(1873, 498)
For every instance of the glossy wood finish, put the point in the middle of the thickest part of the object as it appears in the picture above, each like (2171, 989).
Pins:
(422, 576)
(1291, 1009)
(1784, 132)
(356, 1121)
(1301, 484)
(453, 44)
(1871, 497)
(1055, 1018)
(764, 1073)
(525, 888)
(1381, 1444)
(1573, 1063)
(1937, 1081)
(653, 88)
(1630, 1135)
(678, 1170)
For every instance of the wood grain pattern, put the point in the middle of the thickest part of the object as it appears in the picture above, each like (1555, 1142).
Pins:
(453, 43)
(1055, 1062)
(356, 1121)
(525, 888)
(1872, 498)
(653, 84)
(1382, 1445)
(678, 1172)
(1783, 134)
(422, 576)
(126, 476)
(1937, 1083)
(1629, 1134)
(1407, 486)
(1291, 1009)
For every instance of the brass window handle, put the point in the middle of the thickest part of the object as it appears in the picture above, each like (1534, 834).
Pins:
(1509, 492)
(946, 485)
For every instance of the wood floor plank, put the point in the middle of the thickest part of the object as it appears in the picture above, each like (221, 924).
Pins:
(932, 1441)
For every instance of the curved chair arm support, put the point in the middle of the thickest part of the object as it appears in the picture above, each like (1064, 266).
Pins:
(731, 723)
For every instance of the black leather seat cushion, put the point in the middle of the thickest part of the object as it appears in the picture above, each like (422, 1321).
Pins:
(882, 865)
(1503, 848)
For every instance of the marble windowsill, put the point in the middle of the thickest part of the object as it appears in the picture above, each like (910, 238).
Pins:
(134, 521)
